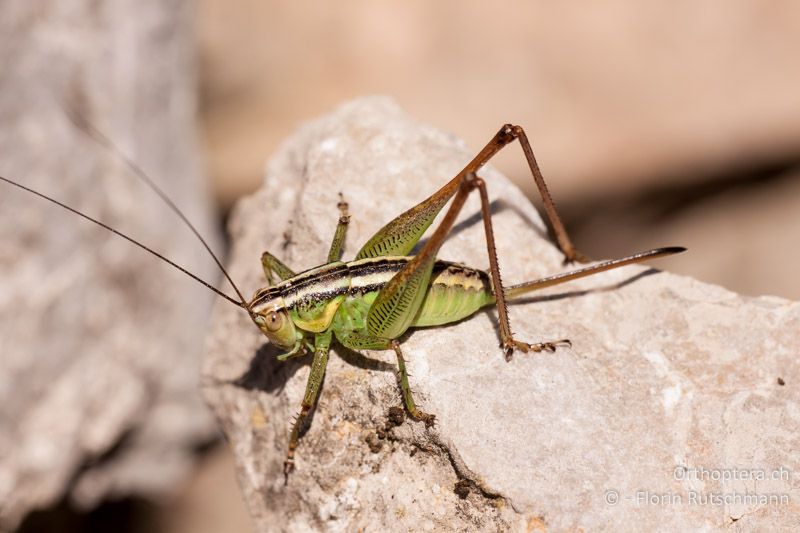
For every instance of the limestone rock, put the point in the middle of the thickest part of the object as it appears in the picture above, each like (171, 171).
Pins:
(671, 384)
(100, 342)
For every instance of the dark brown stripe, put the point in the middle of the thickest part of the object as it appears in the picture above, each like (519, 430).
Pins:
(354, 270)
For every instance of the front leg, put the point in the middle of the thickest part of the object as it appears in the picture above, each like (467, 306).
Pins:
(357, 341)
(299, 350)
(322, 344)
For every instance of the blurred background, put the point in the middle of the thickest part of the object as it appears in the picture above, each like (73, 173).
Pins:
(655, 124)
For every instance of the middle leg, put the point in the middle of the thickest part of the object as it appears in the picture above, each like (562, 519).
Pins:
(358, 341)
(335, 251)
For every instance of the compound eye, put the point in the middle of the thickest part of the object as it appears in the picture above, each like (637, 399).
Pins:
(274, 321)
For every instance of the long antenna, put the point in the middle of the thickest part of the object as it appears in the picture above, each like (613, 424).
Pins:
(86, 127)
(129, 239)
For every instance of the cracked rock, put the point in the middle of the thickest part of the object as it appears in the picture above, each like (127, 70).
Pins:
(669, 385)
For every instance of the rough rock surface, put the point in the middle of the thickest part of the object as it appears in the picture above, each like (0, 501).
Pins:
(99, 342)
(671, 384)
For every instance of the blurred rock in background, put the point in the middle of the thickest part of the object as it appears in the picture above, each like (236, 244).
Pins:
(100, 341)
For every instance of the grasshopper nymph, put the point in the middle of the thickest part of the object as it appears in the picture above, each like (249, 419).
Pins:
(370, 302)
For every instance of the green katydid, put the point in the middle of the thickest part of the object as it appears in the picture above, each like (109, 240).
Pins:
(370, 302)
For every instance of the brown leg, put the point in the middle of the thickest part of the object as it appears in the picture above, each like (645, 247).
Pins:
(399, 236)
(507, 134)
(564, 242)
(397, 303)
(509, 343)
(395, 307)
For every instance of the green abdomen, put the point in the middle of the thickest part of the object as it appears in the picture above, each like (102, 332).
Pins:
(455, 292)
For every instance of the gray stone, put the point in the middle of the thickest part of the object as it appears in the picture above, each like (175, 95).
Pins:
(670, 384)
(100, 342)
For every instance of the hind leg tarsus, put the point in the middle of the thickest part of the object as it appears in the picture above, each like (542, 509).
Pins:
(541, 346)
